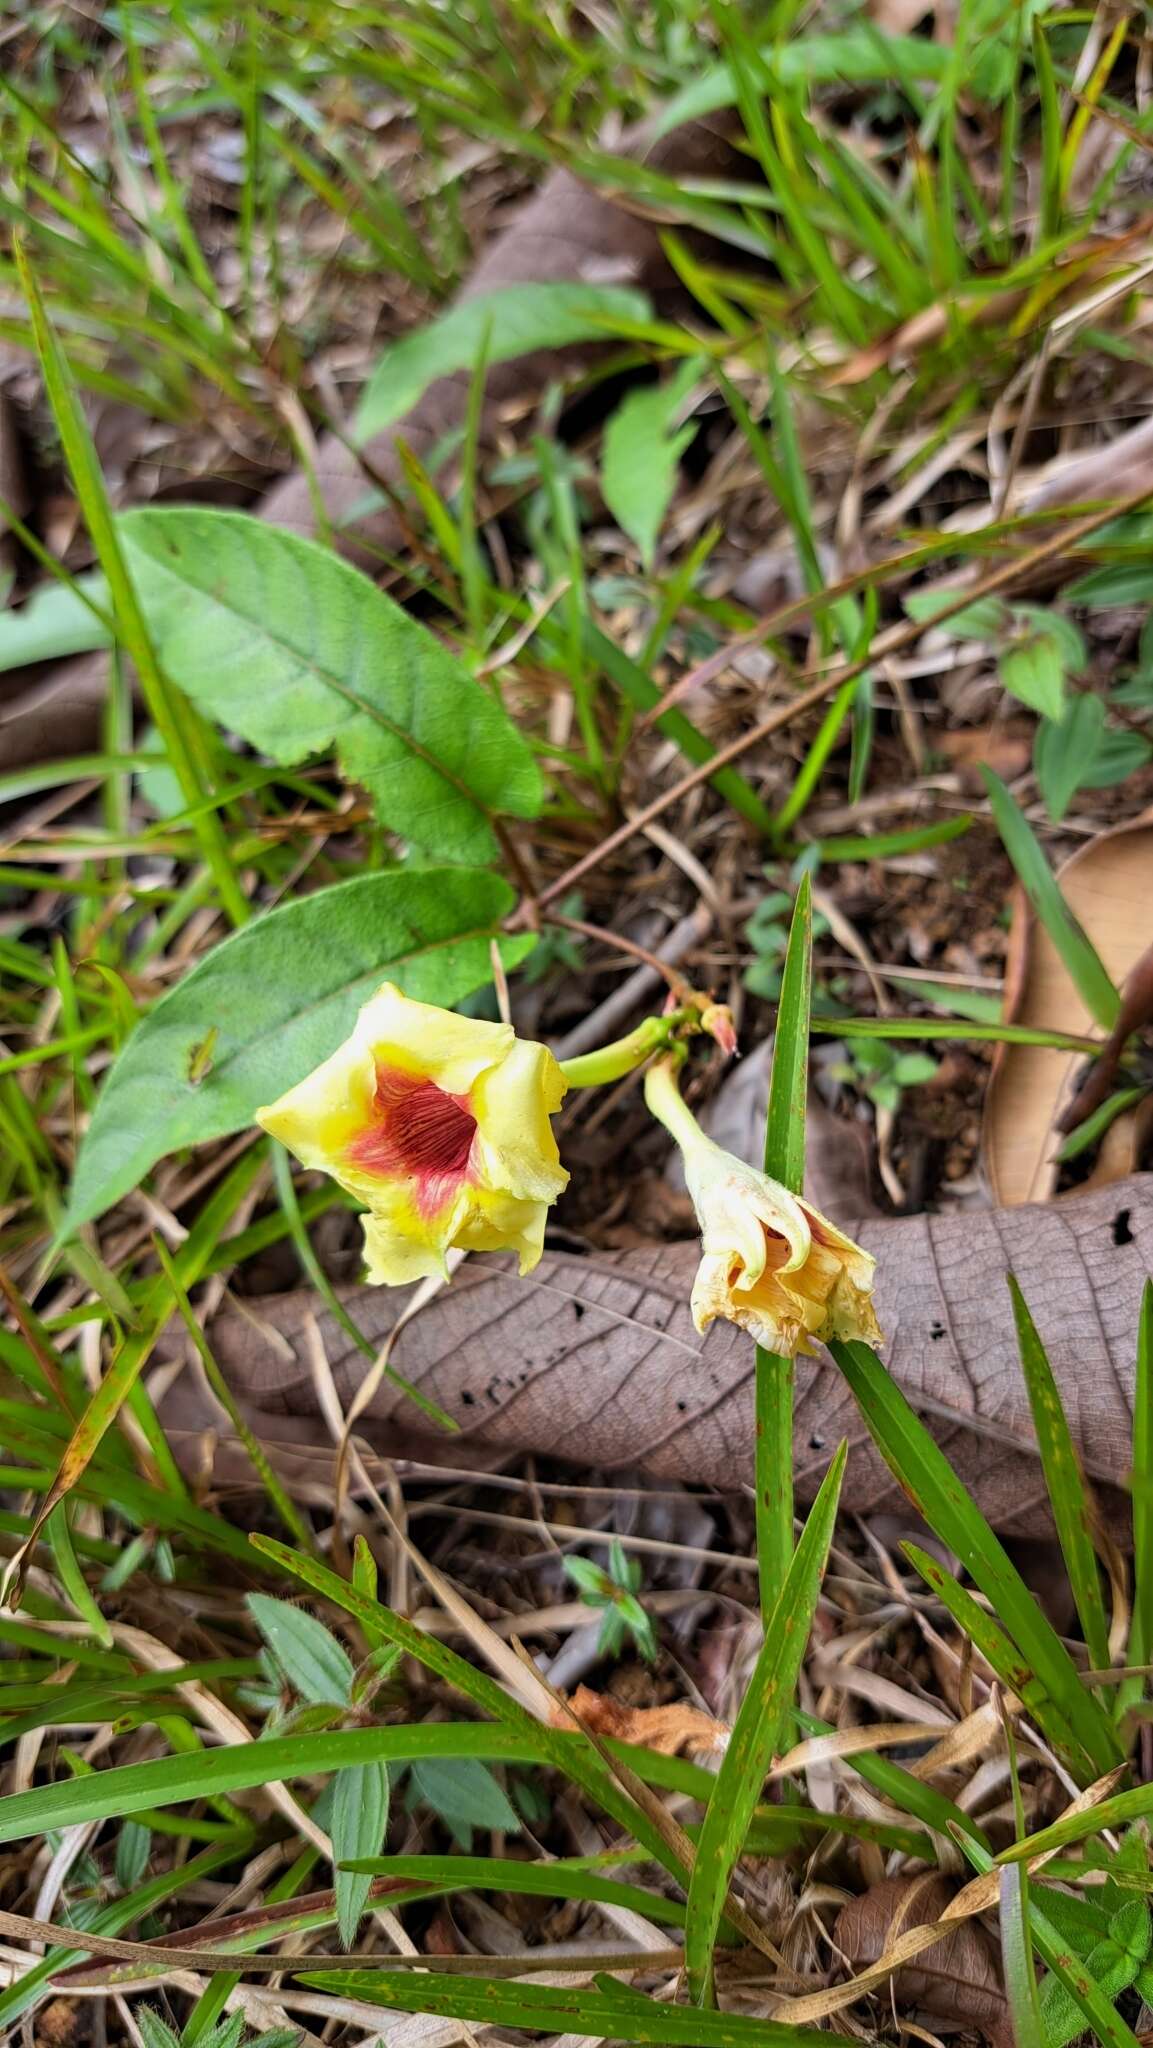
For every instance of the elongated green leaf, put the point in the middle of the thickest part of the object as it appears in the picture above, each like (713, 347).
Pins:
(1073, 944)
(1068, 1491)
(465, 1794)
(642, 448)
(856, 53)
(784, 1161)
(923, 1471)
(756, 1734)
(294, 649)
(610, 2012)
(1002, 1656)
(280, 996)
(1113, 1812)
(504, 324)
(567, 1878)
(1017, 1949)
(358, 1825)
(1064, 752)
(931, 1028)
(171, 1780)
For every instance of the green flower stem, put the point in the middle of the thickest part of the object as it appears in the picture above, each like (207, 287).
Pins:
(669, 1107)
(624, 1055)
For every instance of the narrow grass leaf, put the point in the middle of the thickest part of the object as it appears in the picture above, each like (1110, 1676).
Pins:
(756, 1734)
(923, 1471)
(1076, 949)
(616, 2014)
(784, 1161)
(1017, 1952)
(1069, 1496)
(1141, 1646)
(566, 1878)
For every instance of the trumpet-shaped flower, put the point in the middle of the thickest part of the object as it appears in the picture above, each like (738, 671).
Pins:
(439, 1124)
(770, 1262)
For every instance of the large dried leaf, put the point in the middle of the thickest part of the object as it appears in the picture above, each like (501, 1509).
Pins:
(1108, 885)
(596, 1359)
(955, 1980)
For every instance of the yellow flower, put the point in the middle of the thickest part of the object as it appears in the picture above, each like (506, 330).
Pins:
(770, 1262)
(439, 1124)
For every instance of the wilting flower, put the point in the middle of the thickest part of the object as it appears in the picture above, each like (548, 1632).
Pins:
(770, 1262)
(439, 1124)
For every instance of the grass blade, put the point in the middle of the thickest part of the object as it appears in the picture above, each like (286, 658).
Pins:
(1069, 1495)
(784, 1161)
(756, 1734)
(1142, 1639)
(1084, 964)
(566, 1878)
(1017, 1951)
(924, 1472)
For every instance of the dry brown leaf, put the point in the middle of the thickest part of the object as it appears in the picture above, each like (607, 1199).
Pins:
(1108, 885)
(596, 1360)
(672, 1730)
(956, 1979)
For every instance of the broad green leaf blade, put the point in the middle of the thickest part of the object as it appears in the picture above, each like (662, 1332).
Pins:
(512, 322)
(286, 644)
(1017, 1950)
(756, 1734)
(923, 1471)
(280, 996)
(1073, 944)
(1064, 753)
(641, 455)
(317, 1667)
(463, 1791)
(358, 1825)
(1033, 671)
(1068, 1492)
(55, 621)
(615, 2014)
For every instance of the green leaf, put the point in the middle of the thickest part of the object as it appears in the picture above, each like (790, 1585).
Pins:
(642, 451)
(1017, 1949)
(316, 1666)
(756, 1733)
(503, 324)
(1118, 755)
(286, 644)
(55, 621)
(1068, 1493)
(862, 53)
(133, 1849)
(564, 1878)
(358, 1824)
(985, 619)
(1064, 753)
(616, 2014)
(1116, 583)
(465, 1793)
(281, 995)
(926, 1476)
(155, 2032)
(1073, 944)
(1033, 670)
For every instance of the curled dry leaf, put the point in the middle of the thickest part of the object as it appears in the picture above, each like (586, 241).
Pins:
(1107, 885)
(957, 1979)
(674, 1730)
